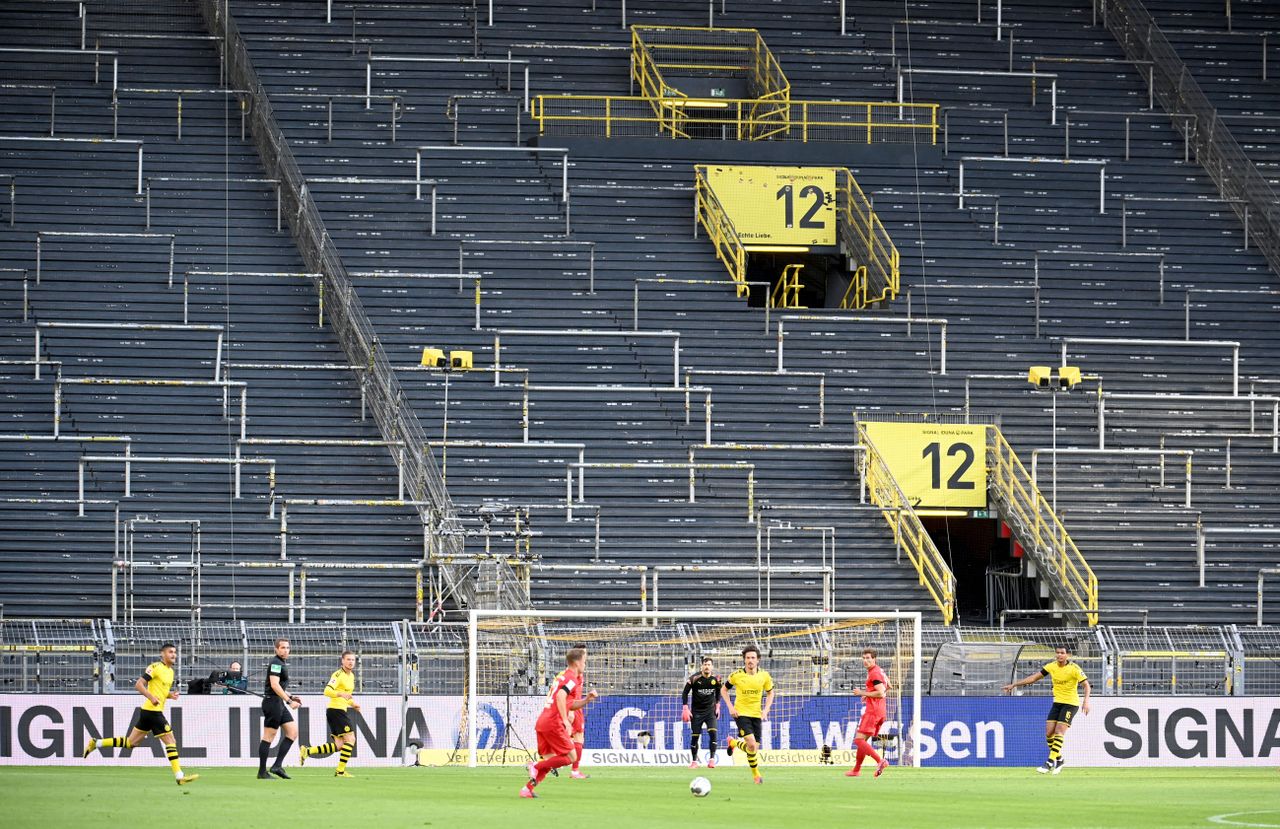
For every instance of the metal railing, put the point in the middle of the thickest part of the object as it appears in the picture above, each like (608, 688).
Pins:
(708, 212)
(864, 240)
(393, 413)
(909, 534)
(1024, 508)
(616, 116)
(1238, 179)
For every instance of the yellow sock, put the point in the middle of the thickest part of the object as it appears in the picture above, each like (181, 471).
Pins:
(172, 753)
(345, 755)
(754, 762)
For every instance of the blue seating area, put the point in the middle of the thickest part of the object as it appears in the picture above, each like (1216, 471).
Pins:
(1072, 216)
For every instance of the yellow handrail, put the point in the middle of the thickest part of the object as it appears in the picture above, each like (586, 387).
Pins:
(908, 533)
(669, 112)
(868, 243)
(720, 230)
(1027, 510)
(857, 290)
(786, 293)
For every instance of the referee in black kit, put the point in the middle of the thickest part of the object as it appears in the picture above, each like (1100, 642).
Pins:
(704, 687)
(277, 713)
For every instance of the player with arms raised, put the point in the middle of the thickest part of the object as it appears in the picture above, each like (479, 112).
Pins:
(873, 714)
(704, 687)
(156, 684)
(554, 727)
(753, 694)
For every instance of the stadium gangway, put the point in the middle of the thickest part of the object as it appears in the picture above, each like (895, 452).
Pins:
(474, 277)
(398, 444)
(1020, 377)
(453, 109)
(821, 375)
(590, 246)
(1232, 344)
(635, 293)
(1219, 398)
(228, 180)
(1102, 253)
(509, 62)
(1186, 137)
(41, 235)
(1189, 454)
(128, 459)
(1186, 302)
(98, 55)
(397, 109)
(1263, 572)
(586, 332)
(563, 152)
(179, 92)
(854, 448)
(693, 468)
(225, 385)
(1053, 78)
(1101, 164)
(129, 326)
(318, 278)
(941, 322)
(95, 141)
(1202, 531)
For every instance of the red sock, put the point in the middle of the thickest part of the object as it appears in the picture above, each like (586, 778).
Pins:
(544, 767)
(577, 756)
(865, 750)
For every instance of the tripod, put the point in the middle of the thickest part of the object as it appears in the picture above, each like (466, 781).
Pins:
(511, 739)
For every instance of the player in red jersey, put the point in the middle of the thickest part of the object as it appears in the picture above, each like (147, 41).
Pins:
(579, 726)
(872, 716)
(555, 724)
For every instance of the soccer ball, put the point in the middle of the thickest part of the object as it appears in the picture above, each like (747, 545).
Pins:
(700, 787)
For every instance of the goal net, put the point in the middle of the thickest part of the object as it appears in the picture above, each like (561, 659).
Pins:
(639, 663)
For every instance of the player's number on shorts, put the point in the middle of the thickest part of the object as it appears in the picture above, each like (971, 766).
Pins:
(787, 194)
(933, 452)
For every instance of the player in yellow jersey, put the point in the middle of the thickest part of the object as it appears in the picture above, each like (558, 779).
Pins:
(1067, 678)
(340, 691)
(156, 684)
(753, 694)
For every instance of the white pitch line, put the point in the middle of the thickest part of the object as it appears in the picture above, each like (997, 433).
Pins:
(1224, 819)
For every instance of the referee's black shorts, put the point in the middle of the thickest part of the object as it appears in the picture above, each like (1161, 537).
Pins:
(152, 722)
(703, 720)
(339, 722)
(275, 713)
(750, 725)
(1062, 712)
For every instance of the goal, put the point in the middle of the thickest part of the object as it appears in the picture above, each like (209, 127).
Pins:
(638, 662)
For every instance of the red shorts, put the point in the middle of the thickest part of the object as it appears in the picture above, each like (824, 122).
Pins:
(579, 721)
(870, 724)
(552, 739)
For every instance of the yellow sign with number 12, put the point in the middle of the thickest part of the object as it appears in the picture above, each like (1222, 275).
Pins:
(936, 464)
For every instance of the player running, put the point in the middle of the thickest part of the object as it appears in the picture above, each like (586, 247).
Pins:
(753, 687)
(579, 736)
(555, 724)
(277, 712)
(340, 691)
(704, 687)
(873, 714)
(156, 684)
(1067, 676)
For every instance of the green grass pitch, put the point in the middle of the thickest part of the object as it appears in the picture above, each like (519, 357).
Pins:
(620, 798)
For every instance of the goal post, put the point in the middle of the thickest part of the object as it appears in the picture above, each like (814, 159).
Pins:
(639, 661)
